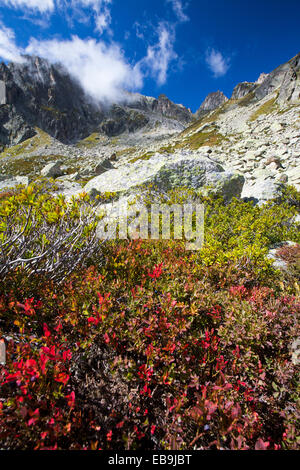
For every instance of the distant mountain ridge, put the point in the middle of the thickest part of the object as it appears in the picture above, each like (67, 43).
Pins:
(285, 77)
(39, 94)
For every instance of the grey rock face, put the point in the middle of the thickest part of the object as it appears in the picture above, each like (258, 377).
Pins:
(255, 137)
(174, 111)
(13, 127)
(261, 78)
(161, 106)
(45, 96)
(123, 120)
(211, 102)
(2, 92)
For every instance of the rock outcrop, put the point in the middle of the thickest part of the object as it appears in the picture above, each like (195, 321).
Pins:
(122, 120)
(261, 78)
(14, 128)
(46, 96)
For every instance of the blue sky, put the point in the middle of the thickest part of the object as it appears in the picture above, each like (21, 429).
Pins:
(183, 48)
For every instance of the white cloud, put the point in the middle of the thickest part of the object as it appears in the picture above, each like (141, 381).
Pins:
(100, 66)
(8, 48)
(178, 10)
(42, 6)
(217, 63)
(158, 58)
(101, 10)
(139, 30)
(101, 69)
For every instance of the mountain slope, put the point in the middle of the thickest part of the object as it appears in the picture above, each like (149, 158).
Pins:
(256, 133)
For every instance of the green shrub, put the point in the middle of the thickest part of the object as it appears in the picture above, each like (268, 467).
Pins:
(46, 235)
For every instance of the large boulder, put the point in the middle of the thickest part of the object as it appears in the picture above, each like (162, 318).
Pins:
(183, 170)
(262, 190)
(67, 189)
(103, 166)
(9, 182)
(227, 184)
(52, 170)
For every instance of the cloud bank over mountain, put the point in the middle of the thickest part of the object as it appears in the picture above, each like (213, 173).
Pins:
(99, 64)
(99, 61)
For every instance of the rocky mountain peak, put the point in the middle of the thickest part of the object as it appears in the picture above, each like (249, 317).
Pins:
(242, 89)
(261, 78)
(285, 79)
(163, 97)
(256, 133)
(211, 102)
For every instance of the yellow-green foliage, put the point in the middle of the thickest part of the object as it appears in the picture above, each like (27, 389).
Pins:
(239, 234)
(199, 139)
(211, 117)
(44, 205)
(45, 234)
(26, 165)
(105, 197)
(167, 149)
(125, 152)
